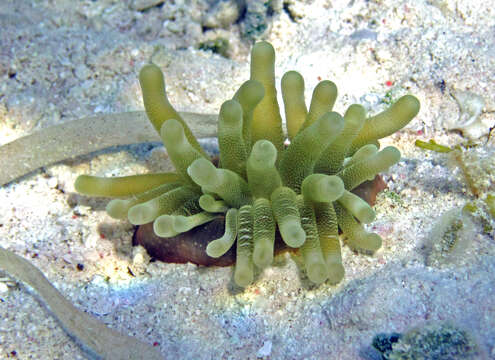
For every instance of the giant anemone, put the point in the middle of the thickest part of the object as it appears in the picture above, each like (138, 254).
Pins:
(261, 190)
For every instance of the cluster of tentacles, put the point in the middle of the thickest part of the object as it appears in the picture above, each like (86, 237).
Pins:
(259, 185)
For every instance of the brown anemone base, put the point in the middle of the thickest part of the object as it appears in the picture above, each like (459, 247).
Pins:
(191, 245)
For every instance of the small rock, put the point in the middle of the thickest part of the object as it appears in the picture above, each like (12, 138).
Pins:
(67, 258)
(140, 260)
(223, 14)
(141, 5)
(82, 72)
(364, 34)
(53, 183)
(265, 350)
(3, 288)
(100, 281)
(470, 122)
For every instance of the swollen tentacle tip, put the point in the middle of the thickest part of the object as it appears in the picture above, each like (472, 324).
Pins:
(202, 171)
(262, 255)
(294, 103)
(250, 93)
(141, 214)
(80, 185)
(117, 208)
(373, 243)
(263, 51)
(336, 273)
(330, 123)
(293, 80)
(292, 233)
(322, 188)
(152, 81)
(325, 91)
(263, 176)
(263, 154)
(208, 203)
(185, 223)
(243, 277)
(366, 243)
(231, 111)
(317, 272)
(172, 131)
(218, 247)
(322, 101)
(355, 113)
(149, 71)
(357, 207)
(333, 187)
(365, 214)
(364, 152)
(409, 104)
(392, 154)
(164, 226)
(215, 249)
(388, 121)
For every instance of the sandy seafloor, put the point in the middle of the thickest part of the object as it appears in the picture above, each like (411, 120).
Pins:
(63, 60)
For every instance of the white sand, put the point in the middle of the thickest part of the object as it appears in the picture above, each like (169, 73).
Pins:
(68, 61)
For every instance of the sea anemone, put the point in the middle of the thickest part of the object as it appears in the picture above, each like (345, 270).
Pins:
(261, 187)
